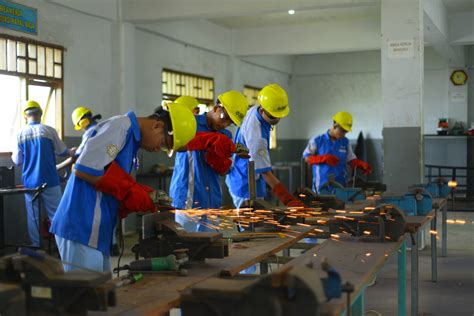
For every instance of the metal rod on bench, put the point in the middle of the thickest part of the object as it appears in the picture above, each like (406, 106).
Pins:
(251, 176)
(303, 173)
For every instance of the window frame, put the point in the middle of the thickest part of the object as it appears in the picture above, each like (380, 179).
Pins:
(27, 79)
(172, 97)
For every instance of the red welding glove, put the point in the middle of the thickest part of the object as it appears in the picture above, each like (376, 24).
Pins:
(218, 164)
(327, 159)
(216, 143)
(286, 197)
(366, 168)
(134, 197)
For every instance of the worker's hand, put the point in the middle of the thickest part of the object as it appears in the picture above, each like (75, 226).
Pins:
(213, 142)
(72, 151)
(327, 159)
(242, 151)
(218, 164)
(286, 197)
(139, 199)
(160, 198)
(366, 168)
(133, 196)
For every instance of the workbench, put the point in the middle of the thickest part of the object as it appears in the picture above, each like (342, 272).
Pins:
(358, 263)
(158, 293)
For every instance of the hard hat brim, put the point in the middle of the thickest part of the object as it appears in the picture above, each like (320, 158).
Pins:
(279, 114)
(234, 118)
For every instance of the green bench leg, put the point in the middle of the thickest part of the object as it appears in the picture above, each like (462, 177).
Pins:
(402, 276)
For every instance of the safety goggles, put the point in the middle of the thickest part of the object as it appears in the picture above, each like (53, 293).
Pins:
(273, 120)
(225, 116)
(168, 145)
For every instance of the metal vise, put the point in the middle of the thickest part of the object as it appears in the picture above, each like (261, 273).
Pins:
(386, 222)
(162, 236)
(51, 291)
(325, 202)
(294, 291)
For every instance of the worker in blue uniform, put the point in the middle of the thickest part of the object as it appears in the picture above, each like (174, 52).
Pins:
(101, 189)
(36, 149)
(254, 133)
(195, 183)
(330, 153)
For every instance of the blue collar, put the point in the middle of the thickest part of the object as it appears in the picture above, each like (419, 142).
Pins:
(202, 121)
(328, 137)
(34, 123)
(135, 126)
(91, 125)
(261, 119)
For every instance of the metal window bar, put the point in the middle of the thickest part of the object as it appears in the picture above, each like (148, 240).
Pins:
(176, 83)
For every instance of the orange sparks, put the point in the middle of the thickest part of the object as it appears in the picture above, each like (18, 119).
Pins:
(366, 232)
(368, 254)
(301, 224)
(433, 232)
(341, 211)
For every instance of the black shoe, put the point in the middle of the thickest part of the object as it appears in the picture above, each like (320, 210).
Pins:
(114, 250)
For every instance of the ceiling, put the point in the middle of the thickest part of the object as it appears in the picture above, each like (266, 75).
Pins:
(458, 5)
(367, 10)
(300, 17)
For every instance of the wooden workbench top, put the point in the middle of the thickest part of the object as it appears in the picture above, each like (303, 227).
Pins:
(158, 293)
(439, 203)
(357, 262)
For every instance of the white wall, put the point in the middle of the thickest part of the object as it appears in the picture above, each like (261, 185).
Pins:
(88, 63)
(325, 84)
(470, 82)
(157, 51)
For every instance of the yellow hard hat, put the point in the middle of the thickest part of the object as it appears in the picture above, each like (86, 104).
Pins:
(344, 119)
(183, 123)
(274, 100)
(188, 101)
(235, 104)
(78, 117)
(30, 105)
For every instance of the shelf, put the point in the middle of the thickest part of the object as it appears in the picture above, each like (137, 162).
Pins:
(447, 137)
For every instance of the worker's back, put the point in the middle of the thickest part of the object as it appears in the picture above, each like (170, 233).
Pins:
(38, 145)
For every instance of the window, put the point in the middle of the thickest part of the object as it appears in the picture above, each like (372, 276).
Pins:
(176, 84)
(29, 70)
(251, 93)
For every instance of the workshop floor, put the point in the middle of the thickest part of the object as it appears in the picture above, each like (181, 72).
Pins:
(453, 294)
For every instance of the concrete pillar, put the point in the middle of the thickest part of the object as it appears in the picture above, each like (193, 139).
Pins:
(402, 93)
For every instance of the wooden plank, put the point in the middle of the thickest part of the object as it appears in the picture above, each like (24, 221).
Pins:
(357, 263)
(158, 293)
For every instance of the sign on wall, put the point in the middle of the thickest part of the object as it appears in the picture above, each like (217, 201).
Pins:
(401, 49)
(18, 17)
